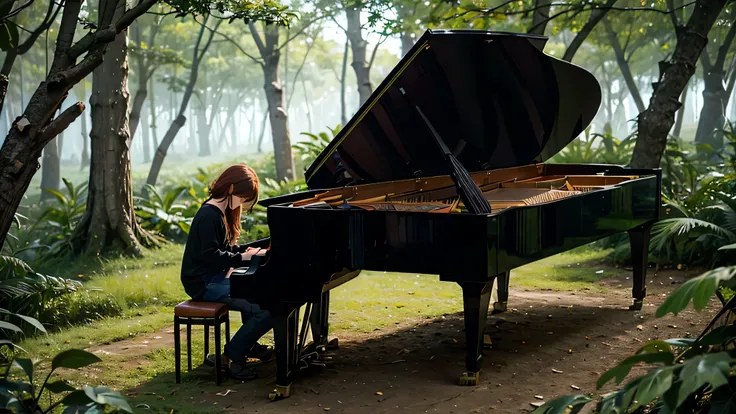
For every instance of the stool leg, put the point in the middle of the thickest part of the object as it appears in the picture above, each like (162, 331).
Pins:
(206, 339)
(189, 345)
(177, 350)
(227, 328)
(218, 350)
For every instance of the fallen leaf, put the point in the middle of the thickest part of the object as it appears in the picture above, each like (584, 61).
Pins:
(550, 333)
(326, 408)
(379, 393)
(556, 371)
(146, 406)
(575, 387)
(80, 275)
(224, 394)
(67, 341)
(549, 316)
(539, 397)
(454, 340)
(640, 327)
(569, 351)
(398, 361)
(314, 391)
(536, 404)
(672, 326)
(607, 344)
(403, 351)
(587, 338)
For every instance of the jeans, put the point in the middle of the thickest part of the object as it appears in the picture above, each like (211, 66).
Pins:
(256, 321)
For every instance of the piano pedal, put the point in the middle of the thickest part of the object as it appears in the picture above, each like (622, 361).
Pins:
(637, 305)
(498, 307)
(470, 378)
(333, 344)
(280, 392)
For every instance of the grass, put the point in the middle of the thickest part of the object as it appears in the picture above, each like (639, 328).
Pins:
(148, 287)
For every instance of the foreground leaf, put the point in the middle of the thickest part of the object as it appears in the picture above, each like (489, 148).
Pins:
(74, 359)
(701, 370)
(26, 365)
(567, 404)
(58, 387)
(106, 396)
(653, 385)
(699, 289)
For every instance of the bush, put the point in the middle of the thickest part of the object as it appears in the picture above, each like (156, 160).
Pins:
(80, 307)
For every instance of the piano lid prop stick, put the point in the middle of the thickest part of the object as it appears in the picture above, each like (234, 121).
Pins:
(471, 195)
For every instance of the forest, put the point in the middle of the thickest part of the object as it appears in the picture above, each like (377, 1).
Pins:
(118, 115)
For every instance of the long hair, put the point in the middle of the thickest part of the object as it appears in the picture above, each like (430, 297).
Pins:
(241, 181)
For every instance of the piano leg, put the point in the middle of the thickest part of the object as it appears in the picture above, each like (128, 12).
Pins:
(502, 283)
(476, 297)
(285, 338)
(319, 320)
(639, 242)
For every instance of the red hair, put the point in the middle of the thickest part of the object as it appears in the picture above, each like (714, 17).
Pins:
(239, 180)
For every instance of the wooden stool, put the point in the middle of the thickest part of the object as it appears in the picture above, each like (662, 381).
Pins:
(200, 313)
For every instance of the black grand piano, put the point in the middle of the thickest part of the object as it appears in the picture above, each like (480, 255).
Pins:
(391, 191)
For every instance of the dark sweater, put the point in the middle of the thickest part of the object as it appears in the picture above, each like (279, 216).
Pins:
(207, 253)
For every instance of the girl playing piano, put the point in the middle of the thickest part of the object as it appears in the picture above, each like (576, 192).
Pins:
(212, 252)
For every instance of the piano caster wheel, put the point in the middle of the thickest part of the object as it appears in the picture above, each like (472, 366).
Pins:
(280, 392)
(333, 344)
(470, 378)
(638, 303)
(499, 307)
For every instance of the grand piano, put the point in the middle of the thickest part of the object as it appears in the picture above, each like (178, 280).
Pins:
(388, 193)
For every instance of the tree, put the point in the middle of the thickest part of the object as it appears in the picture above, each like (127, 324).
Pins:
(716, 93)
(198, 54)
(656, 122)
(109, 221)
(37, 126)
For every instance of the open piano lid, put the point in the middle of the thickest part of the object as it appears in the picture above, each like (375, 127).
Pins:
(495, 98)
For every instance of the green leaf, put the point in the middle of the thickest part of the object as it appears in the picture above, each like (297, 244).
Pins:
(566, 404)
(728, 247)
(718, 336)
(26, 365)
(57, 387)
(77, 397)
(104, 395)
(32, 321)
(9, 326)
(703, 369)
(699, 289)
(5, 36)
(654, 385)
(622, 370)
(74, 359)
(681, 342)
(58, 195)
(15, 386)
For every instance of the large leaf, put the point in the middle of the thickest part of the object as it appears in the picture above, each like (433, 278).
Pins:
(15, 386)
(78, 397)
(26, 365)
(64, 201)
(699, 289)
(74, 359)
(31, 321)
(701, 370)
(621, 370)
(9, 326)
(58, 387)
(106, 396)
(567, 404)
(653, 385)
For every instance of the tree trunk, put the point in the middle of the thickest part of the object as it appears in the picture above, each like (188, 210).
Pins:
(307, 105)
(51, 170)
(343, 103)
(109, 221)
(680, 114)
(203, 130)
(358, 46)
(277, 110)
(715, 96)
(152, 108)
(623, 65)
(180, 119)
(540, 17)
(656, 122)
(142, 91)
(146, 135)
(261, 135)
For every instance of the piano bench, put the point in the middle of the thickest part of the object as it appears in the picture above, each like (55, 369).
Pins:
(200, 313)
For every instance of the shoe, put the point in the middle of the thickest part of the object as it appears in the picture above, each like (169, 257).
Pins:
(262, 352)
(211, 358)
(239, 371)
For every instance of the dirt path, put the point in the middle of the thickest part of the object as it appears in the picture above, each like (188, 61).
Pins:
(415, 364)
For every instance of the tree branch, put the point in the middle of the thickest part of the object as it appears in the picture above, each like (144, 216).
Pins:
(300, 31)
(107, 34)
(595, 17)
(51, 14)
(725, 46)
(69, 77)
(375, 49)
(296, 75)
(19, 9)
(234, 43)
(257, 38)
(58, 125)
(676, 23)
